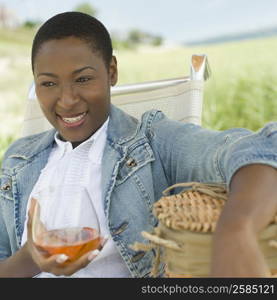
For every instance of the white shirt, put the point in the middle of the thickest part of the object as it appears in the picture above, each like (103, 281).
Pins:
(83, 165)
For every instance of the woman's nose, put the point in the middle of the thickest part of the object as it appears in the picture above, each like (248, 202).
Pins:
(67, 97)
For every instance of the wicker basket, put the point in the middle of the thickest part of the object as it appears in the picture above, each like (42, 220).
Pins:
(187, 221)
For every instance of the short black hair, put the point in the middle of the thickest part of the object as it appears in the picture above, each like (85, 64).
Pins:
(77, 24)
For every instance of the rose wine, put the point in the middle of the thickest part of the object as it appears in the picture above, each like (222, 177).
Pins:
(73, 242)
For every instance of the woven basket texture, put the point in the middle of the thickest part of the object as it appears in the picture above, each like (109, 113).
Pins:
(184, 234)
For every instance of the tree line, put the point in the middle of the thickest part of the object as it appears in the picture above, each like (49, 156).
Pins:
(132, 39)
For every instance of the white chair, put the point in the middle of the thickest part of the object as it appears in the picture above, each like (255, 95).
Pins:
(179, 98)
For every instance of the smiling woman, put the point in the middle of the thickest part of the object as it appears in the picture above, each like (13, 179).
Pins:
(125, 165)
(73, 87)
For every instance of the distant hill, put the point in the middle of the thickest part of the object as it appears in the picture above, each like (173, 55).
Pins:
(268, 32)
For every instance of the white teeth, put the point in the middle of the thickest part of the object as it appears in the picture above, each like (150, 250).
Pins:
(75, 119)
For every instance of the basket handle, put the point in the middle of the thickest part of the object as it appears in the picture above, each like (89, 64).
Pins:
(199, 186)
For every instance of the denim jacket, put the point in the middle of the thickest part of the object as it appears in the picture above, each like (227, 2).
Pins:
(141, 159)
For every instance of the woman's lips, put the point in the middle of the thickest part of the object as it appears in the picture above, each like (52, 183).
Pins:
(75, 121)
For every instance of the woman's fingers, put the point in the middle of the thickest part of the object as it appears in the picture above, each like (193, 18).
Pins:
(93, 254)
(84, 260)
(58, 265)
(34, 208)
(103, 240)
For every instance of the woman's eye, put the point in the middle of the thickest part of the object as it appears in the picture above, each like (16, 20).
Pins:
(47, 83)
(83, 79)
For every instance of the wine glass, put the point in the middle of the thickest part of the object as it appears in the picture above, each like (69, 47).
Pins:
(64, 221)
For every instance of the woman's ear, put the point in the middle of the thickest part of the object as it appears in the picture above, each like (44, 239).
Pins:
(113, 71)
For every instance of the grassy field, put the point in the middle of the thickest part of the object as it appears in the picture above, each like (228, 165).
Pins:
(241, 92)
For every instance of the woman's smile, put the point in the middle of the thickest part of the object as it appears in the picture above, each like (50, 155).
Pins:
(74, 121)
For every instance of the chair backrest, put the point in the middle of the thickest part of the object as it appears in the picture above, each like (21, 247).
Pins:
(179, 98)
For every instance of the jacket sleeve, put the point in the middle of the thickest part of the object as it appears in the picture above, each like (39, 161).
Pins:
(5, 248)
(5, 201)
(192, 153)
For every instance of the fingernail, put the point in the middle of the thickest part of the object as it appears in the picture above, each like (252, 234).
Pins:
(93, 254)
(106, 237)
(61, 258)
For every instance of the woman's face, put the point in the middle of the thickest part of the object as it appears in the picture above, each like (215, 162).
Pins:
(73, 87)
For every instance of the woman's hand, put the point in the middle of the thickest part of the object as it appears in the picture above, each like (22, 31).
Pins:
(55, 264)
(251, 205)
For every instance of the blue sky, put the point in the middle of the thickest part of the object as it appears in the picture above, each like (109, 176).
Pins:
(175, 20)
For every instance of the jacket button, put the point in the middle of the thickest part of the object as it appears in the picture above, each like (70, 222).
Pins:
(131, 163)
(6, 187)
(138, 256)
(120, 229)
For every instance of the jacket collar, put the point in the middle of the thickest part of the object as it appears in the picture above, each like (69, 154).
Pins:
(32, 145)
(121, 128)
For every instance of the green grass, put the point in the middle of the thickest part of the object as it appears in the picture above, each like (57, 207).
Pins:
(240, 93)
(20, 36)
